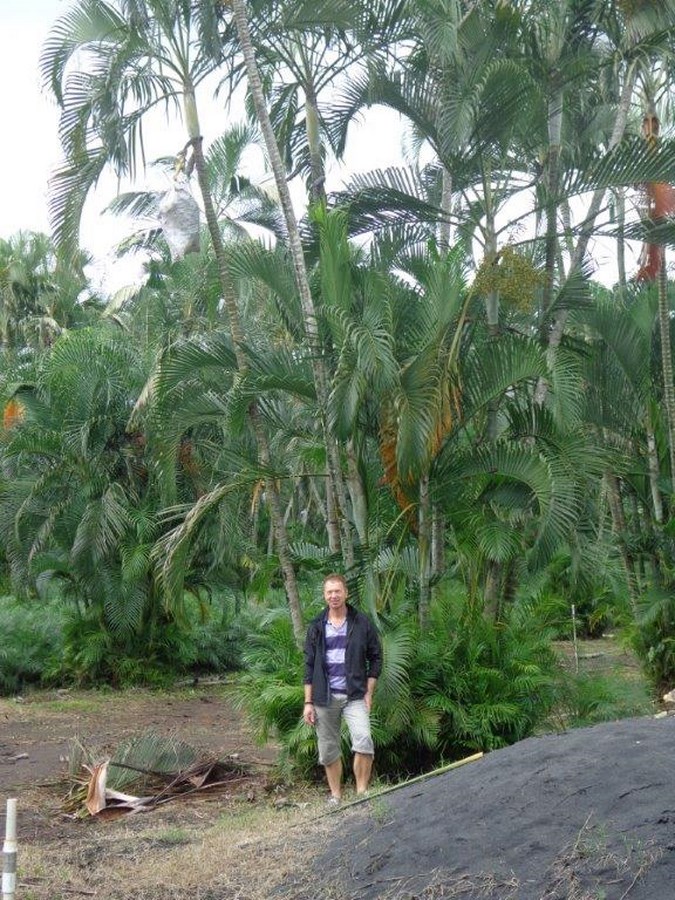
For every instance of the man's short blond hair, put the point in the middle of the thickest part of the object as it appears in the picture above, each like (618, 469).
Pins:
(335, 576)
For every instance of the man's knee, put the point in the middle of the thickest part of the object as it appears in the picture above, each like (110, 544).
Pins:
(333, 762)
(363, 744)
(358, 721)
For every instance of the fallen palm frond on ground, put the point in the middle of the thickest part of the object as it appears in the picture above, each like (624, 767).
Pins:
(144, 772)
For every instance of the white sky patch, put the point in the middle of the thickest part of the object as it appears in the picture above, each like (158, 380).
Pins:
(30, 144)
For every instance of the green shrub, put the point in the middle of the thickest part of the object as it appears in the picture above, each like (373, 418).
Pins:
(462, 685)
(590, 698)
(271, 690)
(585, 578)
(652, 636)
(93, 654)
(31, 640)
(207, 639)
(471, 685)
(218, 633)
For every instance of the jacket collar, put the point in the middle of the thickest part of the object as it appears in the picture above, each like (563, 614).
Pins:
(351, 614)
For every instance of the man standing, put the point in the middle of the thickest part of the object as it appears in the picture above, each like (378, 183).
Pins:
(343, 660)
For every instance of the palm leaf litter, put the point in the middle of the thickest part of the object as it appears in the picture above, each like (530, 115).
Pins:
(144, 772)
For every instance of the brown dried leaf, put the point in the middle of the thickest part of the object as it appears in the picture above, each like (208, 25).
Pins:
(95, 801)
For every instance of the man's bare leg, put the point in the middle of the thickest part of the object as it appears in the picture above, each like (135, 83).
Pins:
(334, 778)
(363, 766)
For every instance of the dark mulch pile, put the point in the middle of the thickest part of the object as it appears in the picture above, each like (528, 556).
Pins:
(579, 816)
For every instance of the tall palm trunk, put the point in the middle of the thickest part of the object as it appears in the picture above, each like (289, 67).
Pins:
(332, 518)
(317, 193)
(437, 540)
(667, 364)
(491, 301)
(620, 195)
(230, 301)
(558, 328)
(357, 494)
(445, 227)
(555, 116)
(654, 475)
(302, 281)
(424, 550)
(619, 528)
(661, 202)
(437, 560)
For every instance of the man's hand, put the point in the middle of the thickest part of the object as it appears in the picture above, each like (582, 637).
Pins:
(370, 691)
(309, 714)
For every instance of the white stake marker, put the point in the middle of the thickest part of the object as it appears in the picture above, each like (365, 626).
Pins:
(9, 853)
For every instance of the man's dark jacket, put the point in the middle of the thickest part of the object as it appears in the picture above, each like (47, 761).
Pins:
(363, 656)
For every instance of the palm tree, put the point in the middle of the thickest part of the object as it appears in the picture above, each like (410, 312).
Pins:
(199, 399)
(79, 501)
(239, 203)
(660, 205)
(297, 255)
(40, 296)
(307, 59)
(637, 33)
(474, 95)
(415, 373)
(137, 55)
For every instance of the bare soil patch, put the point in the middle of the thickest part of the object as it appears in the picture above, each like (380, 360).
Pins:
(237, 841)
(36, 730)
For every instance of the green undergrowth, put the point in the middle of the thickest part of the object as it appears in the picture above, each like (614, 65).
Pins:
(462, 685)
(49, 642)
(32, 638)
(604, 682)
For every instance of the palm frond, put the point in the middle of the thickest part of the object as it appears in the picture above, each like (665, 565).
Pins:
(103, 523)
(386, 198)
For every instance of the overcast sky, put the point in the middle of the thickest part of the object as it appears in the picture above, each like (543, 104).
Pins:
(30, 145)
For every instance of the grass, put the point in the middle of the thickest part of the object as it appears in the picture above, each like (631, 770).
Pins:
(608, 684)
(245, 853)
(88, 700)
(581, 870)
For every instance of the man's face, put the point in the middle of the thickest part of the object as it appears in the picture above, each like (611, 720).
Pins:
(335, 594)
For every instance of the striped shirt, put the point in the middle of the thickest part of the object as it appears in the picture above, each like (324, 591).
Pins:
(336, 644)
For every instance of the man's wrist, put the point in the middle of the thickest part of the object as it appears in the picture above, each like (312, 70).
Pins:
(309, 703)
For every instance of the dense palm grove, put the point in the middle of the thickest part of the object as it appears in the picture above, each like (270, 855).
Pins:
(417, 381)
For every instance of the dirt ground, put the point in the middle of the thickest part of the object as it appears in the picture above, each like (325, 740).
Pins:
(36, 730)
(583, 815)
